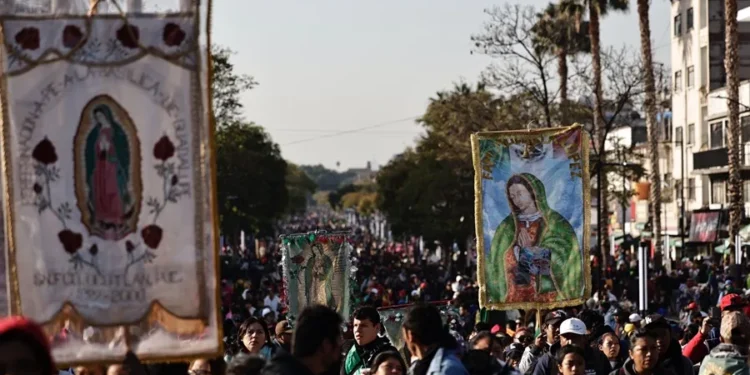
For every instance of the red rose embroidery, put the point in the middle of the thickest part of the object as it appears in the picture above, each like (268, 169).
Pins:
(152, 235)
(163, 149)
(44, 152)
(28, 38)
(173, 35)
(72, 36)
(128, 36)
(70, 240)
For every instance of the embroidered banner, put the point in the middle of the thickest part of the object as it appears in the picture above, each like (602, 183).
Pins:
(532, 218)
(392, 318)
(107, 159)
(316, 271)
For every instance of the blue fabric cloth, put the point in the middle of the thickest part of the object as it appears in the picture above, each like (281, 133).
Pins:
(445, 362)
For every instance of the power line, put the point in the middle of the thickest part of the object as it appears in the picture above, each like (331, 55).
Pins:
(352, 130)
(301, 130)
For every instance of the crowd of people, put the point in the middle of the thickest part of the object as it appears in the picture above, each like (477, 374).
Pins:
(696, 322)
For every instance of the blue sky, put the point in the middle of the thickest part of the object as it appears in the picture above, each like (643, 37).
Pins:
(327, 67)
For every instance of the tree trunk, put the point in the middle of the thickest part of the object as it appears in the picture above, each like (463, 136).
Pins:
(653, 133)
(562, 72)
(599, 131)
(733, 140)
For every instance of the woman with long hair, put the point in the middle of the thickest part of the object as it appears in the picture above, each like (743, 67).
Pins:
(254, 338)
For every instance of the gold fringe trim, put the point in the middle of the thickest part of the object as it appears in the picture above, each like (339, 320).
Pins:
(534, 134)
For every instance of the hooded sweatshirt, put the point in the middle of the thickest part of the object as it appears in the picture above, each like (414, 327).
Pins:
(725, 359)
(628, 368)
(23, 330)
(675, 361)
(596, 362)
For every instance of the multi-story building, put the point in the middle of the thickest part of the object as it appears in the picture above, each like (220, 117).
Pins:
(699, 121)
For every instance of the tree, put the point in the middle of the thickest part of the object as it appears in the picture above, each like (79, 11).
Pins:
(557, 32)
(525, 71)
(250, 198)
(733, 102)
(653, 130)
(300, 187)
(327, 179)
(227, 86)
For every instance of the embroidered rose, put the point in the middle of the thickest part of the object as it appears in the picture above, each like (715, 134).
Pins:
(173, 35)
(163, 149)
(152, 235)
(128, 36)
(28, 38)
(93, 250)
(129, 247)
(44, 152)
(37, 188)
(70, 240)
(72, 36)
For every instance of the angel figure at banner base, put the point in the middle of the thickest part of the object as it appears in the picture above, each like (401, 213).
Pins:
(107, 158)
(319, 278)
(532, 249)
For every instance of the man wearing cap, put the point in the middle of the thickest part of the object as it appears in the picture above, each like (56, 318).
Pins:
(670, 355)
(550, 335)
(573, 332)
(283, 340)
(730, 357)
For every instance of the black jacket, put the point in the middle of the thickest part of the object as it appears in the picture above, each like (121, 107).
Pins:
(285, 364)
(675, 361)
(596, 362)
(627, 369)
(367, 353)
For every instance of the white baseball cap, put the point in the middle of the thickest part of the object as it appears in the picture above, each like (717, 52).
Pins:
(634, 318)
(573, 325)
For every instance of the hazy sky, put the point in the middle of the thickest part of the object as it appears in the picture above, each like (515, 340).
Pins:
(327, 68)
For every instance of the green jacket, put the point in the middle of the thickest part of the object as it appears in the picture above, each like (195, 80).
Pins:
(725, 359)
(555, 234)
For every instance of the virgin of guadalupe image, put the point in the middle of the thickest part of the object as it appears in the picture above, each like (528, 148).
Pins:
(534, 255)
(319, 278)
(107, 155)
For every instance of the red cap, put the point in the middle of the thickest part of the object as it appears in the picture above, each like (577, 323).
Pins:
(423, 286)
(692, 306)
(495, 329)
(731, 300)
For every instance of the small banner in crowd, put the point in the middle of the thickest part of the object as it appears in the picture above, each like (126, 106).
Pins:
(532, 218)
(109, 180)
(316, 271)
(392, 318)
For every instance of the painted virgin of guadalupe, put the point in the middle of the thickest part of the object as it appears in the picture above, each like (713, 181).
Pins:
(108, 175)
(534, 256)
(319, 277)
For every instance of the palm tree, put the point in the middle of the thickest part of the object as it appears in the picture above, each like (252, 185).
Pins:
(733, 140)
(558, 31)
(653, 134)
(596, 10)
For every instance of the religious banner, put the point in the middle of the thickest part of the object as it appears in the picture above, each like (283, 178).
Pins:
(392, 318)
(316, 271)
(532, 218)
(109, 181)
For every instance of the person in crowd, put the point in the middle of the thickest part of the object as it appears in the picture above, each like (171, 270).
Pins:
(697, 348)
(635, 320)
(316, 345)
(24, 348)
(246, 364)
(643, 356)
(368, 344)
(571, 360)
(609, 344)
(283, 340)
(549, 337)
(670, 354)
(573, 332)
(513, 355)
(731, 356)
(215, 366)
(388, 363)
(272, 301)
(255, 338)
(430, 343)
(481, 359)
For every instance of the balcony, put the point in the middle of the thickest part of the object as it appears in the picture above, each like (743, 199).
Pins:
(718, 158)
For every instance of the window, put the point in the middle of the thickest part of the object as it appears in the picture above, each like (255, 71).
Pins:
(689, 19)
(690, 134)
(677, 25)
(704, 127)
(717, 134)
(745, 132)
(690, 76)
(719, 192)
(704, 14)
(704, 67)
(678, 134)
(745, 189)
(691, 188)
(677, 80)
